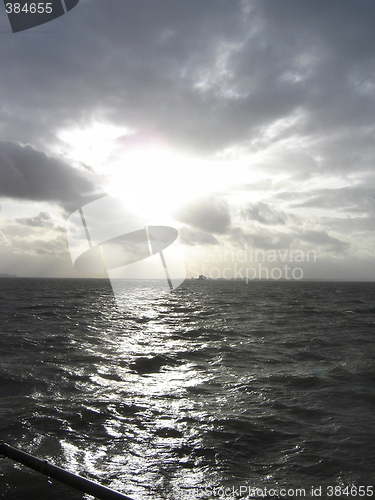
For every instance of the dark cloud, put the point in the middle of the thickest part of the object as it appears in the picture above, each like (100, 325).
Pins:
(205, 76)
(193, 237)
(54, 248)
(322, 238)
(263, 239)
(208, 214)
(42, 220)
(29, 174)
(350, 199)
(122, 61)
(267, 239)
(263, 213)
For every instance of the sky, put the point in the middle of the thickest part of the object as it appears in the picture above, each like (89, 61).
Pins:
(248, 125)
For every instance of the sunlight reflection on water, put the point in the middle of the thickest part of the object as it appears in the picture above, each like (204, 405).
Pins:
(205, 386)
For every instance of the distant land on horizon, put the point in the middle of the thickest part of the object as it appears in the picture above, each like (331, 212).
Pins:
(322, 280)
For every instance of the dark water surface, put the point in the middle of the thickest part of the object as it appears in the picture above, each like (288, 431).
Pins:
(219, 384)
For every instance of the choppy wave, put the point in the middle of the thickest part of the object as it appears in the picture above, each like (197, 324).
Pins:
(219, 383)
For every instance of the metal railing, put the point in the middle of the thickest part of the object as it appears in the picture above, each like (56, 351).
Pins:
(73, 480)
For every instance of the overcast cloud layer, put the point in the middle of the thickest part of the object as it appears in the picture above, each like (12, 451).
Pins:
(285, 86)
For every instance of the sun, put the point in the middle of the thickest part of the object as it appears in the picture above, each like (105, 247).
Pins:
(92, 144)
(153, 178)
(143, 170)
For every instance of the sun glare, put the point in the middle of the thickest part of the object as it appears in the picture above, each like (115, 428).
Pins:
(144, 171)
(92, 145)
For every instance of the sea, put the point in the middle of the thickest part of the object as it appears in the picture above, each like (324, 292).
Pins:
(218, 390)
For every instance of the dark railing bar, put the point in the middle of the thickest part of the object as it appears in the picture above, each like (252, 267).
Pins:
(73, 480)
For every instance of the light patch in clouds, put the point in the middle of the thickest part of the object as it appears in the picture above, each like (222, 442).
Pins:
(4, 242)
(92, 145)
(34, 246)
(143, 169)
(42, 220)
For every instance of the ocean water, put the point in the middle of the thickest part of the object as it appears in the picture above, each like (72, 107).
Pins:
(216, 386)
